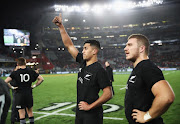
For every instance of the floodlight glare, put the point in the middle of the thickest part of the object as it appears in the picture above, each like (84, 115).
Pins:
(107, 7)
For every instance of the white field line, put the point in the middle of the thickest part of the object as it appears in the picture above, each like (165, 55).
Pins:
(169, 73)
(119, 85)
(122, 88)
(45, 114)
(53, 113)
(73, 115)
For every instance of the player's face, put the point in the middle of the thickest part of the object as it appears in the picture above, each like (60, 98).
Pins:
(132, 50)
(88, 51)
(106, 64)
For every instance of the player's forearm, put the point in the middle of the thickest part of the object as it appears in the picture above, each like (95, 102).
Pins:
(10, 86)
(160, 106)
(39, 81)
(65, 37)
(106, 96)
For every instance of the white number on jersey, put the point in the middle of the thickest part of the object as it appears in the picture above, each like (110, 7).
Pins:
(2, 101)
(25, 77)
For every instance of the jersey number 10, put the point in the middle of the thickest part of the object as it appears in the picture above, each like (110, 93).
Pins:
(25, 77)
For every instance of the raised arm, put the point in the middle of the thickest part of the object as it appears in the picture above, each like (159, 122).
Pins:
(65, 37)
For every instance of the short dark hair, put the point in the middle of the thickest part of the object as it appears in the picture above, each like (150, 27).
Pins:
(93, 43)
(21, 61)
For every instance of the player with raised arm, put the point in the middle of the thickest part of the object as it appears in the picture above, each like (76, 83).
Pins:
(91, 78)
(23, 95)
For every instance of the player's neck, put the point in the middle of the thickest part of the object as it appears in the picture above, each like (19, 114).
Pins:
(22, 67)
(139, 59)
(91, 61)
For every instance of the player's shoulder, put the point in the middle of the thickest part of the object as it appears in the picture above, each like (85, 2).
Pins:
(99, 67)
(150, 66)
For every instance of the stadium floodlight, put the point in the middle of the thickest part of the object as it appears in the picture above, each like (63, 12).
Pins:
(152, 44)
(97, 9)
(117, 6)
(85, 8)
(157, 41)
(34, 57)
(66, 20)
(77, 46)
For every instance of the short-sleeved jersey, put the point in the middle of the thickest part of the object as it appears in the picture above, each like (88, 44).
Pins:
(110, 73)
(24, 77)
(138, 92)
(5, 101)
(90, 80)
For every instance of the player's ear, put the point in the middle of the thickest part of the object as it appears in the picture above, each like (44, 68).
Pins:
(95, 51)
(142, 48)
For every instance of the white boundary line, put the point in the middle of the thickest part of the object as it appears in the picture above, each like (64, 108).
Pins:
(122, 88)
(46, 114)
(119, 85)
(169, 73)
(55, 112)
(73, 115)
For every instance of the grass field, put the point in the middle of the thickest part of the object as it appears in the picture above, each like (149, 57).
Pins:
(55, 99)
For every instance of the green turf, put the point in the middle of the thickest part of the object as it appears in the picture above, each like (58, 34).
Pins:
(62, 88)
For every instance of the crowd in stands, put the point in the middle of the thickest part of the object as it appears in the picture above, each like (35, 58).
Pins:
(164, 56)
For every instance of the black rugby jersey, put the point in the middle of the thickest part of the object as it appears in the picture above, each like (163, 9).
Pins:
(24, 77)
(5, 101)
(91, 79)
(109, 71)
(138, 91)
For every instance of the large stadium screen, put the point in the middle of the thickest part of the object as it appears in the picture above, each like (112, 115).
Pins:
(16, 37)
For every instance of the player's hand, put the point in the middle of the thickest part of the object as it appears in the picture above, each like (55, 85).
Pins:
(14, 88)
(138, 116)
(84, 106)
(33, 86)
(57, 20)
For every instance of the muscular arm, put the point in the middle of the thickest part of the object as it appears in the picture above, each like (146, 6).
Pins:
(65, 37)
(107, 95)
(40, 79)
(164, 97)
(8, 80)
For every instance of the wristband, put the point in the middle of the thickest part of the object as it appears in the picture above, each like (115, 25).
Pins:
(34, 86)
(147, 116)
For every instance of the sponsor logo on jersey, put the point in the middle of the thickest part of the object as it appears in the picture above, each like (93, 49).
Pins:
(81, 80)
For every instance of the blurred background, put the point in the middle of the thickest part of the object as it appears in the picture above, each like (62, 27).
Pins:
(26, 30)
